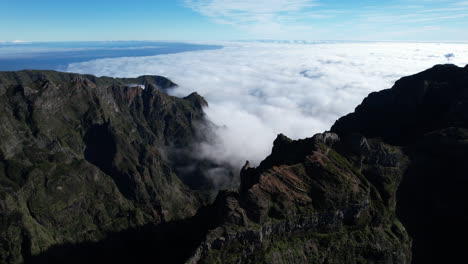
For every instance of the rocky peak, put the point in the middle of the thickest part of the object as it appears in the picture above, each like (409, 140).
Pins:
(340, 196)
(82, 156)
(415, 105)
(427, 113)
(386, 185)
(197, 100)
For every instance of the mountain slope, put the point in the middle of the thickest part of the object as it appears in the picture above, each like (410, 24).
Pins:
(386, 185)
(428, 114)
(82, 156)
(313, 201)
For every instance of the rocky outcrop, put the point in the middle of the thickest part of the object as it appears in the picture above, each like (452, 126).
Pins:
(386, 185)
(417, 104)
(428, 114)
(86, 159)
(311, 201)
(82, 156)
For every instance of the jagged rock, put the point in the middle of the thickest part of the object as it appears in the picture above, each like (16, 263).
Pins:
(415, 105)
(196, 100)
(428, 114)
(339, 199)
(357, 143)
(314, 206)
(246, 166)
(386, 185)
(327, 138)
(248, 177)
(82, 156)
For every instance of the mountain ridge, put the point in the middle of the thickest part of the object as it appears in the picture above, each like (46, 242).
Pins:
(82, 156)
(292, 207)
(385, 185)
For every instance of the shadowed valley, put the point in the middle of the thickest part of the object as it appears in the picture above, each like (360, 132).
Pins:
(87, 174)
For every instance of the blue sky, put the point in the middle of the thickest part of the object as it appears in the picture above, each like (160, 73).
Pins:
(407, 20)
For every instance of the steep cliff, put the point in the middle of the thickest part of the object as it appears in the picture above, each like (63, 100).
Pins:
(85, 178)
(316, 200)
(428, 114)
(82, 156)
(386, 185)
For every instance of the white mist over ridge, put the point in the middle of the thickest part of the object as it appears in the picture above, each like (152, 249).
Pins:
(258, 90)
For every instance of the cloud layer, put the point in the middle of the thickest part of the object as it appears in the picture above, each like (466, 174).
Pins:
(233, 8)
(355, 20)
(257, 90)
(260, 18)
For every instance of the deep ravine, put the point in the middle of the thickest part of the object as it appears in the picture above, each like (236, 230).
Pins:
(83, 178)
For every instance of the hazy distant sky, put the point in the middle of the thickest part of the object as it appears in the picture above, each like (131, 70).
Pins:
(420, 20)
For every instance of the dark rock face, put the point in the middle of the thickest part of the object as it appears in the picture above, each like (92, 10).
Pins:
(428, 114)
(386, 185)
(318, 205)
(416, 105)
(82, 156)
(89, 181)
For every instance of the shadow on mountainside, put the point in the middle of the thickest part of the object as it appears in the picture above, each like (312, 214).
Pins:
(432, 197)
(427, 114)
(171, 242)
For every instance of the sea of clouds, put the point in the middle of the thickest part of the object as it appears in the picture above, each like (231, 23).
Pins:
(258, 90)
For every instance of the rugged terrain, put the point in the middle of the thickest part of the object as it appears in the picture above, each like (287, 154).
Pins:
(427, 114)
(385, 185)
(317, 200)
(82, 156)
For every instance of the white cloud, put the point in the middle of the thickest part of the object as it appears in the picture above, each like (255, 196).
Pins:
(257, 90)
(298, 19)
(265, 17)
(15, 42)
(242, 8)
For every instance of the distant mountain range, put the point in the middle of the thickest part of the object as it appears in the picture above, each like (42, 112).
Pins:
(88, 174)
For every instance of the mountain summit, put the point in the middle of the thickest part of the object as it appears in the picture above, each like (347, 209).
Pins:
(84, 177)
(385, 185)
(82, 156)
